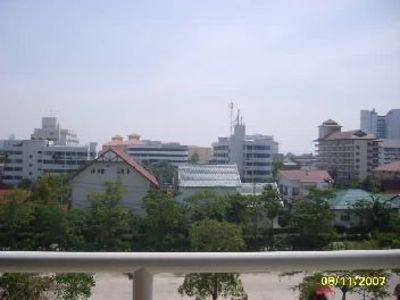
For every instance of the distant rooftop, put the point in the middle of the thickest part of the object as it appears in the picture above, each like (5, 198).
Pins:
(208, 176)
(349, 135)
(306, 176)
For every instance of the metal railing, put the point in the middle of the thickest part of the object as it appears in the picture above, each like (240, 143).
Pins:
(145, 265)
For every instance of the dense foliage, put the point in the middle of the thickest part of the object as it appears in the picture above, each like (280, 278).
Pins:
(36, 217)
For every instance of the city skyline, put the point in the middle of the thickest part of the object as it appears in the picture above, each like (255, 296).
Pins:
(167, 70)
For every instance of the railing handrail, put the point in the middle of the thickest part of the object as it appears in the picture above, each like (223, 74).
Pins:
(199, 262)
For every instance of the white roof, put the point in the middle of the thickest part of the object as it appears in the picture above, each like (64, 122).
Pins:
(208, 176)
(248, 188)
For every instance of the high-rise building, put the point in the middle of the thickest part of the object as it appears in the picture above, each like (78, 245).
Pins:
(346, 155)
(253, 154)
(51, 150)
(384, 127)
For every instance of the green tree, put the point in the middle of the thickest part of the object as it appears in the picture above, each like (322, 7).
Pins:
(15, 218)
(255, 215)
(311, 221)
(194, 158)
(47, 227)
(24, 286)
(31, 286)
(108, 223)
(374, 214)
(50, 189)
(165, 172)
(277, 164)
(211, 235)
(163, 227)
(206, 205)
(73, 286)
(75, 230)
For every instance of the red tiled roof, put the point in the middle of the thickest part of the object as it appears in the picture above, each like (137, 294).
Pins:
(135, 165)
(314, 176)
(391, 167)
(3, 194)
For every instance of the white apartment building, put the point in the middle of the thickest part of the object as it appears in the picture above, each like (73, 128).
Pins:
(50, 151)
(389, 151)
(346, 155)
(27, 159)
(253, 154)
(384, 127)
(150, 151)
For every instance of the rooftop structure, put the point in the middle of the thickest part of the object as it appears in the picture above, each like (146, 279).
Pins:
(52, 131)
(208, 176)
(248, 188)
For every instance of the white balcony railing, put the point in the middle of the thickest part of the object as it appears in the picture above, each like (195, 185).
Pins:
(146, 264)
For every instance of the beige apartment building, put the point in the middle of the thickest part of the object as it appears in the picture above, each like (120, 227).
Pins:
(346, 155)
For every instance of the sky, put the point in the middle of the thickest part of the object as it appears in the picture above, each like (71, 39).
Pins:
(167, 70)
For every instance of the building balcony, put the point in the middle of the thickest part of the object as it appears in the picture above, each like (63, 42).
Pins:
(146, 265)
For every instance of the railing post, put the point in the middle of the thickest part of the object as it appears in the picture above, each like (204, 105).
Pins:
(142, 285)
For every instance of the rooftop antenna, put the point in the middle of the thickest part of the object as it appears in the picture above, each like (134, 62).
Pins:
(231, 118)
(238, 116)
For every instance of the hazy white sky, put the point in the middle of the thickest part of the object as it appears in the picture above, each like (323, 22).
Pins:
(168, 69)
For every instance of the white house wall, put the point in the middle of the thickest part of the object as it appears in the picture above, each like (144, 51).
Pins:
(135, 185)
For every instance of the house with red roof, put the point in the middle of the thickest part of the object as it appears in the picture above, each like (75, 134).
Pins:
(294, 184)
(388, 176)
(112, 165)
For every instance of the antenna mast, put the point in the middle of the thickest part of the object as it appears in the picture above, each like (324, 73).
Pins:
(231, 118)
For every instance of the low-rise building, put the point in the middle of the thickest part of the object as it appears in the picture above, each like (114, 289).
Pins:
(342, 205)
(294, 184)
(113, 166)
(222, 179)
(389, 151)
(388, 176)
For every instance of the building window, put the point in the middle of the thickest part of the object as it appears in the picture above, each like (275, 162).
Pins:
(295, 191)
(344, 218)
(128, 171)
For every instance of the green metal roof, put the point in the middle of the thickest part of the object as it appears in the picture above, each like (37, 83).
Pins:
(345, 199)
